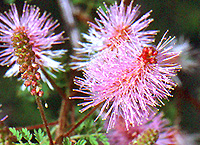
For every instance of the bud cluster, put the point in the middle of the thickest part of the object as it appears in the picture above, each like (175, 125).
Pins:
(149, 137)
(26, 59)
(149, 55)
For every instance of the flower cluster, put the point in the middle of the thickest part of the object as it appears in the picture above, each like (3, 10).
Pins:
(154, 132)
(126, 73)
(28, 40)
(26, 60)
(117, 26)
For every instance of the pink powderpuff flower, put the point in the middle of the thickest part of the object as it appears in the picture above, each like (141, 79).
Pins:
(117, 25)
(129, 84)
(39, 31)
(156, 131)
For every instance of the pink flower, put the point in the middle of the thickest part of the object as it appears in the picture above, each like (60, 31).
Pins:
(38, 29)
(129, 84)
(155, 130)
(118, 25)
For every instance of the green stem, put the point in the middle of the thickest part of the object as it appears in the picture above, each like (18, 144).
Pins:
(38, 101)
(83, 136)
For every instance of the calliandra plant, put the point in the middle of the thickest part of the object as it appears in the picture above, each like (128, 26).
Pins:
(27, 40)
(115, 26)
(154, 131)
(131, 84)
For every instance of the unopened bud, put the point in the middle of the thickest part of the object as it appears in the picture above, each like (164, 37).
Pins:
(21, 69)
(40, 93)
(29, 68)
(27, 83)
(34, 83)
(35, 66)
(24, 75)
(31, 77)
(21, 56)
(26, 58)
(23, 50)
(33, 92)
(38, 76)
(25, 65)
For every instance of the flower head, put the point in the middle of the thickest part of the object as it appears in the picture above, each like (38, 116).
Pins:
(118, 25)
(155, 131)
(129, 84)
(32, 31)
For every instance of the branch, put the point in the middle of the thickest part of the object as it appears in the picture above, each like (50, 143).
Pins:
(37, 126)
(70, 22)
(75, 126)
(38, 101)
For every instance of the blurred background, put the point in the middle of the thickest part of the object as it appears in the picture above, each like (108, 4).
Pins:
(181, 18)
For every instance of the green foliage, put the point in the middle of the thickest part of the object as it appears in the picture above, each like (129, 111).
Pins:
(16, 133)
(81, 142)
(66, 141)
(39, 135)
(93, 140)
(91, 131)
(27, 136)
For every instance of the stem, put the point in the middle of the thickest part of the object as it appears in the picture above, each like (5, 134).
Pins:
(67, 9)
(37, 126)
(62, 121)
(83, 136)
(63, 112)
(38, 101)
(81, 121)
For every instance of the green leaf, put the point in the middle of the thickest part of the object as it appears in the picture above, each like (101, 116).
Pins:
(16, 133)
(26, 134)
(39, 135)
(103, 139)
(66, 141)
(81, 142)
(93, 140)
(99, 129)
